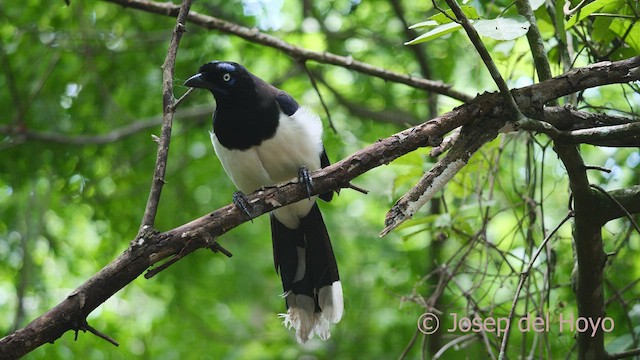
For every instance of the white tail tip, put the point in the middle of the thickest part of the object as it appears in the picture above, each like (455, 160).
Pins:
(302, 317)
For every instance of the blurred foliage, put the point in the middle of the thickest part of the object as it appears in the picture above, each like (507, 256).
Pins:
(67, 210)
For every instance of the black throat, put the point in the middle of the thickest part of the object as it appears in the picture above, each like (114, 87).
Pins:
(242, 125)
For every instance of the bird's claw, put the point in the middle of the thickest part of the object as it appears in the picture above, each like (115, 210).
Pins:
(241, 201)
(304, 177)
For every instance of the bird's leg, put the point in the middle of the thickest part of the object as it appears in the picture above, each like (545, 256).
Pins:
(304, 177)
(241, 201)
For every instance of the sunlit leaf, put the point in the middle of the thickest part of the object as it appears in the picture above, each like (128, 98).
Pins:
(424, 24)
(535, 4)
(435, 33)
(590, 9)
(506, 28)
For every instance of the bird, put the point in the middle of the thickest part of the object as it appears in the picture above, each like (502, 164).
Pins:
(262, 136)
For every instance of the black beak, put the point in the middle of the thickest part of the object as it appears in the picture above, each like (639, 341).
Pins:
(197, 81)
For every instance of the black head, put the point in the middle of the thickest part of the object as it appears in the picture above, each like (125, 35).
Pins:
(223, 78)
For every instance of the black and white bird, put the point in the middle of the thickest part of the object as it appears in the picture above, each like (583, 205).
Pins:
(262, 137)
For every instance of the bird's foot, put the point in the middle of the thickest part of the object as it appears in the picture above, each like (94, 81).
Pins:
(304, 177)
(240, 200)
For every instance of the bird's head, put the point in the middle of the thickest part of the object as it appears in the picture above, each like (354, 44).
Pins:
(223, 79)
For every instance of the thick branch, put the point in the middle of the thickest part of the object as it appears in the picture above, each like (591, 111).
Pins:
(589, 250)
(580, 78)
(621, 135)
(567, 118)
(472, 137)
(253, 35)
(622, 199)
(626, 135)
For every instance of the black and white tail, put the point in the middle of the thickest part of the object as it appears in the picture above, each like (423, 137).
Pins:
(312, 290)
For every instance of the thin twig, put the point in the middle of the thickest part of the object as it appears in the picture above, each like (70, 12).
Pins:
(36, 89)
(599, 168)
(446, 144)
(523, 277)
(407, 348)
(388, 115)
(357, 188)
(317, 90)
(86, 327)
(453, 343)
(189, 247)
(168, 108)
(181, 99)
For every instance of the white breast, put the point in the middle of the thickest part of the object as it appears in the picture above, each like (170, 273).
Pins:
(297, 142)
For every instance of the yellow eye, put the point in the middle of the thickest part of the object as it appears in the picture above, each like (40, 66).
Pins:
(226, 77)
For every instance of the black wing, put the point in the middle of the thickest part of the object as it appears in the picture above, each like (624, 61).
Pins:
(287, 104)
(324, 162)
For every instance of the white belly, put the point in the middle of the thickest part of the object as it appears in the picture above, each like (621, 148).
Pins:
(276, 160)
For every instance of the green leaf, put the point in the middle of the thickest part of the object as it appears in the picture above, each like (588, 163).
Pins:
(424, 222)
(535, 4)
(601, 32)
(435, 33)
(621, 27)
(601, 26)
(590, 9)
(424, 24)
(505, 28)
(623, 342)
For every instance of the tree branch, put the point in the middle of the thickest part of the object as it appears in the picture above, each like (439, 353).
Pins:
(624, 354)
(620, 203)
(168, 109)
(534, 38)
(19, 135)
(589, 250)
(623, 135)
(472, 137)
(150, 247)
(567, 118)
(298, 53)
